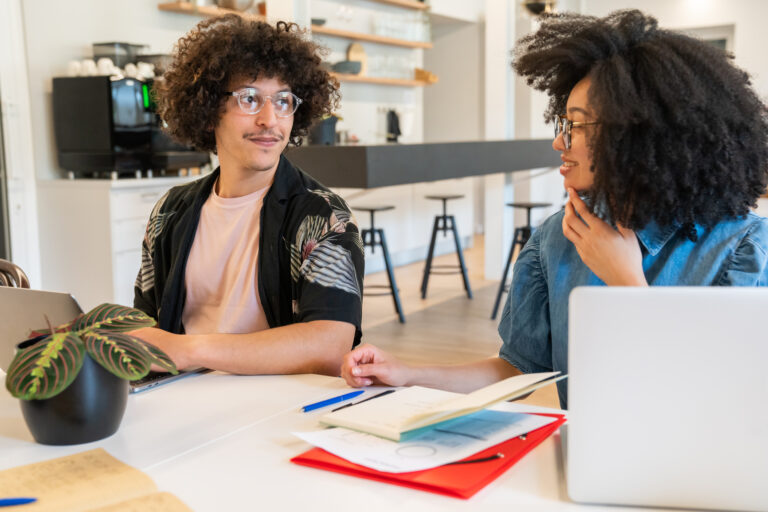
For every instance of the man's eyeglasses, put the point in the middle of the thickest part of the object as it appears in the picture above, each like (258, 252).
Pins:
(251, 102)
(564, 125)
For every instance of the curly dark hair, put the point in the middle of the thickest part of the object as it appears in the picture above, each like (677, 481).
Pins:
(218, 50)
(682, 137)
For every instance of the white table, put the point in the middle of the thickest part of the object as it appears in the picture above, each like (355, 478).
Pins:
(223, 442)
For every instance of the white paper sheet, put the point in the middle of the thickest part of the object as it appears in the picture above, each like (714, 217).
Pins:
(433, 446)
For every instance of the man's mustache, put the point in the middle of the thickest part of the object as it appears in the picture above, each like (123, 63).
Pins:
(251, 135)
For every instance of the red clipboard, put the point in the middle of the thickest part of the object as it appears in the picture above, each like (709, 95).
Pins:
(458, 480)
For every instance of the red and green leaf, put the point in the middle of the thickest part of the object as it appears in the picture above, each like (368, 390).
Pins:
(67, 327)
(46, 368)
(112, 317)
(157, 356)
(124, 355)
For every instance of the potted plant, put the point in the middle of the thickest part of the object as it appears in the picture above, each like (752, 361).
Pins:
(323, 131)
(73, 379)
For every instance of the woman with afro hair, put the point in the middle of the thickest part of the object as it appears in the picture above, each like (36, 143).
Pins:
(664, 147)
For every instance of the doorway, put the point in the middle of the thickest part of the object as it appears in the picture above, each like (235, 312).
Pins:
(5, 246)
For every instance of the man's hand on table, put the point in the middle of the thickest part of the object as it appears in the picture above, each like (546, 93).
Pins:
(174, 345)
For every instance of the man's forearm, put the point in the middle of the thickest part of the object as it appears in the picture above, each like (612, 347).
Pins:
(311, 347)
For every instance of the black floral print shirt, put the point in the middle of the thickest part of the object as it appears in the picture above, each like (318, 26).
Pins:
(310, 253)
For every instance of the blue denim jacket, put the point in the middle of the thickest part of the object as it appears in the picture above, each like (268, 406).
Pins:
(534, 325)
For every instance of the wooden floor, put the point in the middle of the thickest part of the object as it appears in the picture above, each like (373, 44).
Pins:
(446, 327)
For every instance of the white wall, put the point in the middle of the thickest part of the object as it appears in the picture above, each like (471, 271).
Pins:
(17, 142)
(762, 207)
(453, 107)
(457, 10)
(747, 17)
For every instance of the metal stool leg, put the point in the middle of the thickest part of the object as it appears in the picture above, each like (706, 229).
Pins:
(372, 230)
(461, 256)
(391, 275)
(364, 234)
(428, 266)
(503, 283)
(525, 236)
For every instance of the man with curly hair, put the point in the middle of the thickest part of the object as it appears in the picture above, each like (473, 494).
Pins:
(256, 268)
(664, 147)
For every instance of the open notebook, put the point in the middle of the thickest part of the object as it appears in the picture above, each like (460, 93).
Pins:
(412, 408)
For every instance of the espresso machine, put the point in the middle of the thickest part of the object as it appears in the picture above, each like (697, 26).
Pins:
(106, 124)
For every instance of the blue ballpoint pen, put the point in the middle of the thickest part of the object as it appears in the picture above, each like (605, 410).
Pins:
(334, 400)
(9, 502)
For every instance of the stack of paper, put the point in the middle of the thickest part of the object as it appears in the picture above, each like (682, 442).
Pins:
(461, 479)
(433, 440)
(442, 444)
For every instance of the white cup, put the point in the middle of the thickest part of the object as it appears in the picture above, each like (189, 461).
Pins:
(88, 68)
(105, 65)
(131, 70)
(146, 69)
(74, 68)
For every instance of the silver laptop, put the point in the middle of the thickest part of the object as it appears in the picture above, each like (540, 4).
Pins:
(22, 310)
(667, 397)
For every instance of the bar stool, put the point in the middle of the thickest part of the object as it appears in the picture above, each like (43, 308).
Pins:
(520, 238)
(369, 240)
(444, 269)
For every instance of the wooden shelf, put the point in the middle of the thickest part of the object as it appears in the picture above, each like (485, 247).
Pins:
(359, 36)
(408, 4)
(203, 10)
(343, 77)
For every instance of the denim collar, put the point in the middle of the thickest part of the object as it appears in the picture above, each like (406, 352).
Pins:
(654, 237)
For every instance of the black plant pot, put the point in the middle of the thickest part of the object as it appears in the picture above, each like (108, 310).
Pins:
(90, 409)
(323, 133)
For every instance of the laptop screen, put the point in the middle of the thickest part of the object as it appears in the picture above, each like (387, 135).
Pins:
(666, 398)
(23, 310)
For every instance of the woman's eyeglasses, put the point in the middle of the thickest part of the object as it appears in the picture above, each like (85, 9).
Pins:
(564, 125)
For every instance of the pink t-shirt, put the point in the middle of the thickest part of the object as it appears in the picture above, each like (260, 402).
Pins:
(222, 276)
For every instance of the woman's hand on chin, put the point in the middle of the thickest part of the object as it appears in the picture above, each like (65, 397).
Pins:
(613, 255)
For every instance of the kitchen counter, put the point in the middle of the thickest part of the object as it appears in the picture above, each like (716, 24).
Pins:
(355, 166)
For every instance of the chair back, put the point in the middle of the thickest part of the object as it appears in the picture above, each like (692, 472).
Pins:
(12, 275)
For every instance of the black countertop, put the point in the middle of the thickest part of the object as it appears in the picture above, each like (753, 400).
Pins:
(385, 165)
